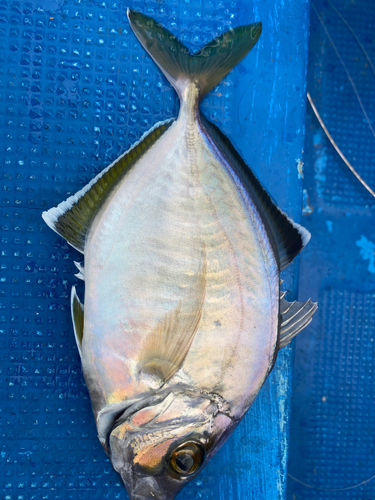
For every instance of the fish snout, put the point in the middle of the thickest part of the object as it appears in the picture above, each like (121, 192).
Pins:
(147, 489)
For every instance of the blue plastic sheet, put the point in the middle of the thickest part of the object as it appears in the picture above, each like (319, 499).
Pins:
(333, 413)
(76, 90)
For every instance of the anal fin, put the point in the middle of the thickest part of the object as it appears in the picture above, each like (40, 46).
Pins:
(294, 317)
(77, 318)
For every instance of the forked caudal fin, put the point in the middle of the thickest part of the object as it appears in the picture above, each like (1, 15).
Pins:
(206, 67)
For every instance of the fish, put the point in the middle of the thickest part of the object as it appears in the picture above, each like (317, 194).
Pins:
(182, 316)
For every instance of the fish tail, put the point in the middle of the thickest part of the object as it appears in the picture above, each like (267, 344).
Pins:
(206, 67)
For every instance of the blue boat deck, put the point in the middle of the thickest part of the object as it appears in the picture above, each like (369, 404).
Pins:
(333, 410)
(76, 90)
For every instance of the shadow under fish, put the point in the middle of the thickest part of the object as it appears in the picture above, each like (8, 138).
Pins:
(183, 316)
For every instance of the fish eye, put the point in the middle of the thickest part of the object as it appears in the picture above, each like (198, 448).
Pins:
(187, 458)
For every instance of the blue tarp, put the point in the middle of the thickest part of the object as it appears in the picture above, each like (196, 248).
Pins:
(333, 412)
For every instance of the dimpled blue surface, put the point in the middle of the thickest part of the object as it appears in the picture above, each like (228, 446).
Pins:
(333, 412)
(76, 90)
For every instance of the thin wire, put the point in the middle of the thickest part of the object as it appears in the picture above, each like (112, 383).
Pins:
(354, 35)
(343, 157)
(360, 180)
(346, 70)
(331, 489)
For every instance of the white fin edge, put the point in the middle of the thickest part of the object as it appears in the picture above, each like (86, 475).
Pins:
(304, 233)
(79, 266)
(81, 274)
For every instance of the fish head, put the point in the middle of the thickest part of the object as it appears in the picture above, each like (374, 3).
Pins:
(162, 447)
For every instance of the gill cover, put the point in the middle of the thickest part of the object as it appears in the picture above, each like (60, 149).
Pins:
(160, 448)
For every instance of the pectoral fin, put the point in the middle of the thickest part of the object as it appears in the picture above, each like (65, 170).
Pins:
(77, 317)
(166, 347)
(294, 317)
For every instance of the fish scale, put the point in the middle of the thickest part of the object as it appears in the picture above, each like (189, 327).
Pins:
(183, 251)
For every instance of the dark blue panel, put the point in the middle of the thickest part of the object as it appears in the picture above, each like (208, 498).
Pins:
(76, 90)
(333, 414)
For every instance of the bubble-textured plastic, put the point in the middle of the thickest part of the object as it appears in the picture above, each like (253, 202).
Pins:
(76, 90)
(333, 412)
(341, 91)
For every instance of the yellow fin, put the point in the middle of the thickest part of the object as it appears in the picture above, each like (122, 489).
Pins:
(166, 347)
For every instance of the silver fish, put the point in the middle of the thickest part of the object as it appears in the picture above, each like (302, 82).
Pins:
(182, 317)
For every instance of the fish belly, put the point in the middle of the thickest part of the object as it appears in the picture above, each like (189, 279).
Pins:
(178, 205)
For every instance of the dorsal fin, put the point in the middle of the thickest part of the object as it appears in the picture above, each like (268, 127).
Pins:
(166, 347)
(288, 237)
(77, 318)
(72, 218)
(294, 317)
